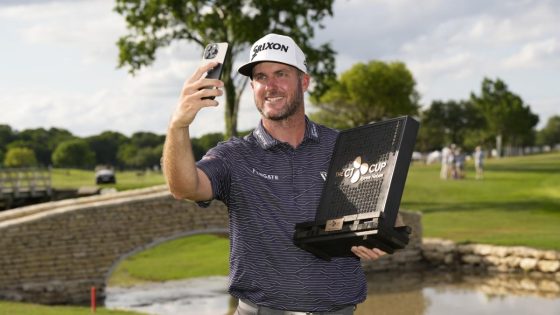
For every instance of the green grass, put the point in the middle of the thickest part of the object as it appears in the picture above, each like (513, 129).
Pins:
(517, 202)
(189, 257)
(15, 308)
(74, 178)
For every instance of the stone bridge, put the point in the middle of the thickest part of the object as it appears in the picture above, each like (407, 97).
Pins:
(54, 253)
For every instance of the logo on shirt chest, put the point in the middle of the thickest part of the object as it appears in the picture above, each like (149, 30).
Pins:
(266, 176)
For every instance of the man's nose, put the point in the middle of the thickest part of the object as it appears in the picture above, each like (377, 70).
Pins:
(271, 83)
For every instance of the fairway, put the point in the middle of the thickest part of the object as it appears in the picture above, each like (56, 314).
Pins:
(517, 202)
(75, 178)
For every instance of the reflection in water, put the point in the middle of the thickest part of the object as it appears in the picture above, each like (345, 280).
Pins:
(439, 293)
(420, 293)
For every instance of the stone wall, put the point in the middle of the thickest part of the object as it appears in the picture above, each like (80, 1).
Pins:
(408, 258)
(490, 258)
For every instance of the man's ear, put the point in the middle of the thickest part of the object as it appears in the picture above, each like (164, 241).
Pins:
(305, 81)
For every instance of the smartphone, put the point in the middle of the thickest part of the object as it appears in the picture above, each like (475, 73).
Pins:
(215, 52)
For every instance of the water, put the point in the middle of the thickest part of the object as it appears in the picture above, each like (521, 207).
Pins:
(201, 296)
(423, 293)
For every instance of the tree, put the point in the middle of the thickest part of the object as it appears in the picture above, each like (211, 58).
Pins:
(105, 146)
(7, 135)
(203, 144)
(140, 157)
(42, 141)
(154, 24)
(74, 153)
(143, 139)
(20, 157)
(506, 115)
(450, 122)
(550, 134)
(366, 93)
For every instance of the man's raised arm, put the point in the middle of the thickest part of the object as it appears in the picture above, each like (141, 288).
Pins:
(184, 179)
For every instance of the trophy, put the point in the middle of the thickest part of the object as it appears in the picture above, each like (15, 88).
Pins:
(360, 200)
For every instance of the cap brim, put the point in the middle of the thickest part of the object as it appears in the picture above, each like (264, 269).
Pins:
(247, 69)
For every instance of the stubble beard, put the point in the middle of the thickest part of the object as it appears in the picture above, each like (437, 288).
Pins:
(289, 110)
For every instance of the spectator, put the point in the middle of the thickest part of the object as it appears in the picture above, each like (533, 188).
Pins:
(445, 153)
(479, 162)
(459, 164)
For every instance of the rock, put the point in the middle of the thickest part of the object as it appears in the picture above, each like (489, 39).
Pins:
(528, 264)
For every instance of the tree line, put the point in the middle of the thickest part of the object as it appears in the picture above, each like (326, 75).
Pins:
(60, 148)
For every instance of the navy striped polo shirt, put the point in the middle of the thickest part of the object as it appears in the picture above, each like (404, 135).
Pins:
(268, 187)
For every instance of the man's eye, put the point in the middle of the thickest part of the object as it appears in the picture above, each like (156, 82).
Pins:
(259, 77)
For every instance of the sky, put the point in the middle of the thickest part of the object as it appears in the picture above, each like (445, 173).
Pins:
(58, 60)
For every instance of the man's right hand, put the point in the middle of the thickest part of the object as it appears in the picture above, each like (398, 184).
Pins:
(194, 89)
(184, 179)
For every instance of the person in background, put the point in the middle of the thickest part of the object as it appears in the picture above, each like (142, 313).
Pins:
(459, 163)
(444, 173)
(478, 157)
(270, 180)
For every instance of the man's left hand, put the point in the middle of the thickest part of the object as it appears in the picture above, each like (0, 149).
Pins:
(366, 253)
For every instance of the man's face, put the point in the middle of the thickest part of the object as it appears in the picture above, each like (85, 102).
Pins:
(278, 90)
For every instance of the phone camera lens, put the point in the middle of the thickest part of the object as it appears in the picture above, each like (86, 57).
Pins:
(211, 51)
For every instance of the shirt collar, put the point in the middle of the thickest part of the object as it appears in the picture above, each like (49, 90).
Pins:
(266, 141)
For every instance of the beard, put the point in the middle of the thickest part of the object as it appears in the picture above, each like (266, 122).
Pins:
(293, 105)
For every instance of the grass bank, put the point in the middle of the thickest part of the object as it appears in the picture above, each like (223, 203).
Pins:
(189, 257)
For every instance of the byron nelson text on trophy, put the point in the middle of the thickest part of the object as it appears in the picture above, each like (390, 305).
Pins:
(362, 194)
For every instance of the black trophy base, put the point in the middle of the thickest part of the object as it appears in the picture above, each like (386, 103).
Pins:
(335, 238)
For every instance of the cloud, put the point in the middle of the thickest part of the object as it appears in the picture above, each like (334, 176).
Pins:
(536, 55)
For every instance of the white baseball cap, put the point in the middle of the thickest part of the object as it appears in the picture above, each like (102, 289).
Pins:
(274, 48)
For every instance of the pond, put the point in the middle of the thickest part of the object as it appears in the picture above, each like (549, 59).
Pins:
(419, 293)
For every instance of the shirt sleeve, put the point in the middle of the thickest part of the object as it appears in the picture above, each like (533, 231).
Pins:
(215, 165)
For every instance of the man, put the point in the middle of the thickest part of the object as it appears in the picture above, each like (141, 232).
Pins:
(270, 180)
